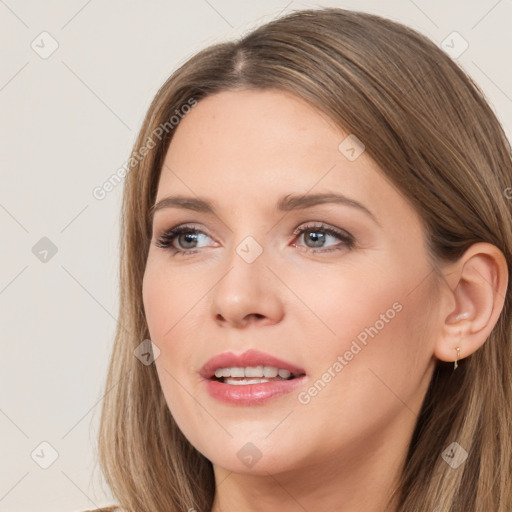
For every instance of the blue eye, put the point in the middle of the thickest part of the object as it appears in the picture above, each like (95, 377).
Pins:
(187, 234)
(318, 234)
(187, 237)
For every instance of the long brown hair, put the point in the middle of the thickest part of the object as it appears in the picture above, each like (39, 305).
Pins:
(431, 131)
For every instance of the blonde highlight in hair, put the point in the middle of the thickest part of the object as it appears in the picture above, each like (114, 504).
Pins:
(431, 131)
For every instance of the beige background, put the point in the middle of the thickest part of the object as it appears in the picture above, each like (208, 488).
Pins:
(68, 121)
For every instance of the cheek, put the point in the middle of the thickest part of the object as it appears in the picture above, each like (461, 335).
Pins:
(376, 338)
(165, 305)
(385, 353)
(167, 299)
(171, 306)
(156, 302)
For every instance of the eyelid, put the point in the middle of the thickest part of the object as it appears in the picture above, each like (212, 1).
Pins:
(175, 231)
(167, 237)
(346, 238)
(320, 225)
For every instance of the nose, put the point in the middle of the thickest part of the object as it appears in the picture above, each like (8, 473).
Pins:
(248, 293)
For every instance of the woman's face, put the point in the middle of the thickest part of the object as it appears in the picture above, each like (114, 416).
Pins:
(348, 301)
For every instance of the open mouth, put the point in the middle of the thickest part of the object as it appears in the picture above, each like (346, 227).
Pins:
(252, 384)
(252, 380)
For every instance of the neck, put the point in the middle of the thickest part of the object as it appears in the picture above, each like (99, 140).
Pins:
(350, 480)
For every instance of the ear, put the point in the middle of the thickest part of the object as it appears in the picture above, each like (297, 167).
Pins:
(472, 300)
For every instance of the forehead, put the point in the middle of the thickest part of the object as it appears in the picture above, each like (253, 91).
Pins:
(251, 147)
(253, 126)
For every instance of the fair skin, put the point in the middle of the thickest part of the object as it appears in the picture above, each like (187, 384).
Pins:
(344, 449)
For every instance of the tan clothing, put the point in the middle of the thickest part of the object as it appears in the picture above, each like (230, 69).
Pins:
(112, 508)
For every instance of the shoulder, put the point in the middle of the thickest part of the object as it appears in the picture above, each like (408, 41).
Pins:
(112, 508)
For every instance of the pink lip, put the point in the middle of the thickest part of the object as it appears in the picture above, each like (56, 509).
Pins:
(249, 394)
(248, 358)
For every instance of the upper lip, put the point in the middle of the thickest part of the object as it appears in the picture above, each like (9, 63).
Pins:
(248, 358)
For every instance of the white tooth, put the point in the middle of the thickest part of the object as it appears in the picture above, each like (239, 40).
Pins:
(254, 371)
(269, 371)
(284, 374)
(244, 382)
(237, 372)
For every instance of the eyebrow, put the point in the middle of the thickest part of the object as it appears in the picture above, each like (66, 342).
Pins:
(286, 203)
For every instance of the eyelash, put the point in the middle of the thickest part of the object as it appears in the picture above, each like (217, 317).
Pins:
(167, 238)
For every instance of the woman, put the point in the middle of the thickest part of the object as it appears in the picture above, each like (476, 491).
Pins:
(315, 311)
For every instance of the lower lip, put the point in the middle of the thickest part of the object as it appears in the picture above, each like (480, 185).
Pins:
(251, 394)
